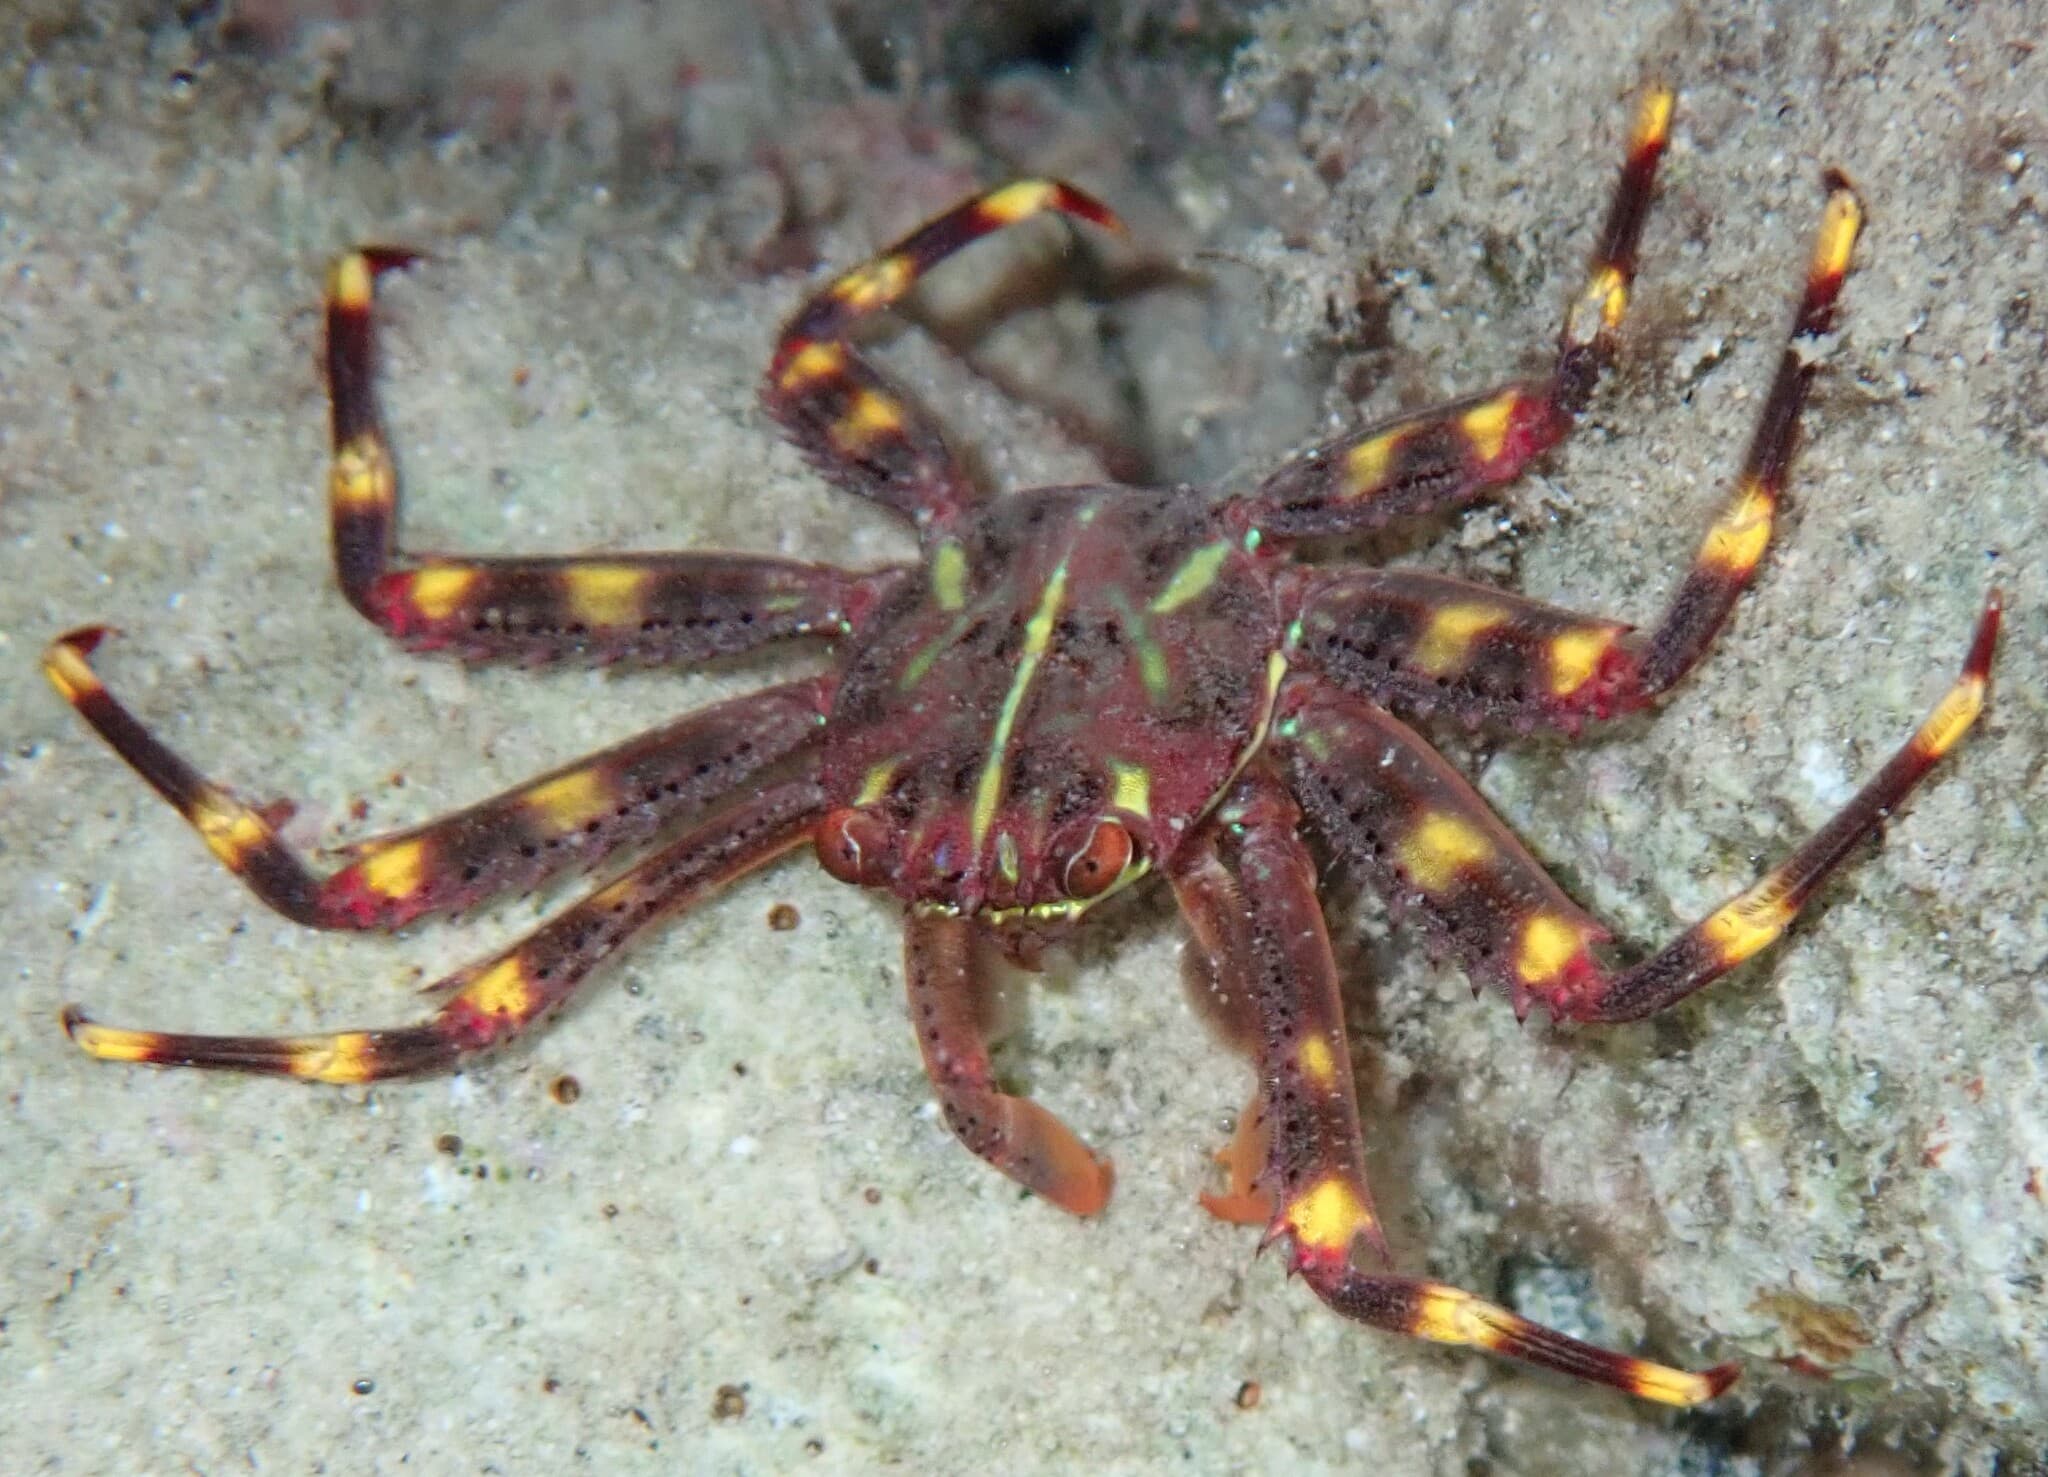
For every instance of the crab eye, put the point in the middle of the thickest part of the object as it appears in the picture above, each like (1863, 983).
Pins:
(851, 844)
(1094, 869)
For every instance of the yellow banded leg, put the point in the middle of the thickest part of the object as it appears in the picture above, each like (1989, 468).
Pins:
(1307, 1121)
(841, 412)
(1395, 810)
(1444, 457)
(570, 818)
(1754, 918)
(640, 608)
(491, 1002)
(1735, 544)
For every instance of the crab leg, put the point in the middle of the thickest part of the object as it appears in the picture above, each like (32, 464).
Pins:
(838, 408)
(1446, 456)
(602, 608)
(1397, 811)
(496, 999)
(572, 817)
(1014, 1134)
(1266, 928)
(1422, 641)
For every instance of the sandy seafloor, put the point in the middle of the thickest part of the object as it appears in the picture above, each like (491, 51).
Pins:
(1832, 1162)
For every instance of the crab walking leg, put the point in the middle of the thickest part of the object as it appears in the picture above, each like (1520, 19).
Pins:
(570, 818)
(1013, 1134)
(1444, 457)
(495, 1000)
(839, 409)
(1414, 827)
(1296, 1161)
(1311, 1181)
(1424, 642)
(1729, 554)
(637, 608)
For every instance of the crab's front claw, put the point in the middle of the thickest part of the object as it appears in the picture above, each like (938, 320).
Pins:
(949, 1005)
(1042, 1154)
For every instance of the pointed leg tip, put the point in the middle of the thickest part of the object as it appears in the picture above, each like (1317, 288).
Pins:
(1720, 1377)
(74, 1019)
(85, 640)
(388, 258)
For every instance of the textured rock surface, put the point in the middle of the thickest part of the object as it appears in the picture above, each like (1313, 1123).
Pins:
(749, 1245)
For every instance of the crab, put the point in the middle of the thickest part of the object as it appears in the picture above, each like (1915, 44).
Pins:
(1077, 688)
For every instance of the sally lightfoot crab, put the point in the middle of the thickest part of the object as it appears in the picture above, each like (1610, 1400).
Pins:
(1078, 687)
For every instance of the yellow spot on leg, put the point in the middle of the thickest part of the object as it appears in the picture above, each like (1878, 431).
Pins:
(229, 828)
(1575, 656)
(1839, 222)
(875, 285)
(439, 590)
(1486, 424)
(1549, 943)
(570, 801)
(1599, 308)
(1749, 922)
(342, 1058)
(349, 282)
(1737, 540)
(1366, 468)
(811, 363)
(1328, 1216)
(1946, 725)
(112, 1044)
(396, 870)
(1653, 120)
(1449, 1315)
(1441, 846)
(69, 673)
(606, 594)
(870, 417)
(1015, 202)
(1319, 1063)
(1446, 643)
(362, 479)
(503, 989)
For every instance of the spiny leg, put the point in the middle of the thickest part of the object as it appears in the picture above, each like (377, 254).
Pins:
(572, 817)
(496, 999)
(1394, 809)
(1310, 1180)
(1428, 643)
(1445, 456)
(1013, 1134)
(841, 412)
(681, 607)
(1423, 642)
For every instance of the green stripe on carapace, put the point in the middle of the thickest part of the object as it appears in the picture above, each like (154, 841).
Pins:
(949, 575)
(919, 664)
(1196, 573)
(1153, 669)
(1037, 637)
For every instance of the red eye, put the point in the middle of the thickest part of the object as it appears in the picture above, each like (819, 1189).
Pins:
(1093, 869)
(851, 845)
